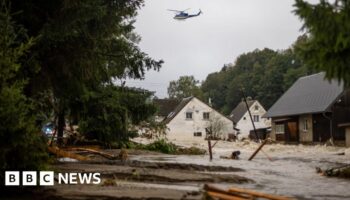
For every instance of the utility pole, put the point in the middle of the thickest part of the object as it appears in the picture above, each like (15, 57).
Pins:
(250, 114)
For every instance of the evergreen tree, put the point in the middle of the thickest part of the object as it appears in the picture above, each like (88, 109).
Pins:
(110, 112)
(81, 45)
(327, 47)
(22, 147)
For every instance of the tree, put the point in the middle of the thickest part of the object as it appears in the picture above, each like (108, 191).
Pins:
(327, 47)
(109, 114)
(185, 86)
(215, 126)
(264, 74)
(82, 46)
(22, 148)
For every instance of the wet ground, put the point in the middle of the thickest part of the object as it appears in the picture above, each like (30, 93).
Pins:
(287, 170)
(291, 171)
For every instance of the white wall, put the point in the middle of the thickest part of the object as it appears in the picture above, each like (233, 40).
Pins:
(245, 124)
(180, 128)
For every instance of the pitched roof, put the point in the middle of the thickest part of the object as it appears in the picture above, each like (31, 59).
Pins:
(177, 109)
(240, 110)
(165, 106)
(309, 94)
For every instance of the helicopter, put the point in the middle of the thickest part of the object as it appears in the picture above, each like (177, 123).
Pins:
(182, 15)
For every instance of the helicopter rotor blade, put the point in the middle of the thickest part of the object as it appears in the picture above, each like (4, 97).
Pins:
(178, 11)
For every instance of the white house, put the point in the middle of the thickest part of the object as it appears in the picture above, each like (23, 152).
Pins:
(189, 119)
(241, 118)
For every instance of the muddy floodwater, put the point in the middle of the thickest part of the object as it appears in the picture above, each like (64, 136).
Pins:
(291, 171)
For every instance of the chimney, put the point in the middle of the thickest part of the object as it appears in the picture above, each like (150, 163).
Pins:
(209, 102)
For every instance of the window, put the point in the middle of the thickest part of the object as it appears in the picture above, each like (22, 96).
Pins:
(206, 115)
(197, 134)
(256, 107)
(279, 128)
(244, 118)
(305, 125)
(189, 115)
(256, 118)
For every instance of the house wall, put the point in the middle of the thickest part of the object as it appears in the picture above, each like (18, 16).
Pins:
(245, 124)
(289, 124)
(182, 129)
(347, 137)
(321, 128)
(305, 135)
(273, 131)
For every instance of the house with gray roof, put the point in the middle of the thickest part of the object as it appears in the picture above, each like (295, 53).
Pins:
(242, 121)
(311, 110)
(188, 120)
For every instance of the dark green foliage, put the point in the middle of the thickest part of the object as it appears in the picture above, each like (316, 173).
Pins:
(190, 151)
(185, 86)
(22, 146)
(163, 146)
(81, 45)
(263, 74)
(327, 47)
(109, 113)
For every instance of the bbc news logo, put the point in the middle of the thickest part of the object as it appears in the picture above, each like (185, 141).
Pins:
(47, 178)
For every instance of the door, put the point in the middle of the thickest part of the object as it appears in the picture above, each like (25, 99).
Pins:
(293, 131)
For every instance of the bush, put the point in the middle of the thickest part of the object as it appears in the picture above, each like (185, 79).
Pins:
(163, 146)
(191, 151)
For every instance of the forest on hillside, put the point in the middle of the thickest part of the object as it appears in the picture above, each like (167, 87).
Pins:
(263, 74)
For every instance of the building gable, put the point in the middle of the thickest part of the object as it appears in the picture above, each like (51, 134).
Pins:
(198, 107)
(309, 94)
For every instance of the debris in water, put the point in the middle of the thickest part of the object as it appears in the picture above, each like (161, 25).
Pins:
(234, 156)
(239, 193)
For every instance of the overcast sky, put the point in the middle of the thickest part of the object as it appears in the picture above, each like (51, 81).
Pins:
(201, 45)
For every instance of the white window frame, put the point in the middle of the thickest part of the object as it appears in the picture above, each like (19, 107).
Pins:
(197, 134)
(206, 114)
(256, 118)
(279, 128)
(189, 114)
(305, 125)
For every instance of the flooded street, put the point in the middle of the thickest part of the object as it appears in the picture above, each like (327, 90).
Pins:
(291, 171)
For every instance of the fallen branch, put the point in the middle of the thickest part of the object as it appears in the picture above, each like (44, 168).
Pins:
(106, 155)
(61, 153)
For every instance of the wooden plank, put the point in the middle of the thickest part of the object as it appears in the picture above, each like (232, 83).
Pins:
(259, 194)
(59, 152)
(224, 196)
(256, 151)
(212, 188)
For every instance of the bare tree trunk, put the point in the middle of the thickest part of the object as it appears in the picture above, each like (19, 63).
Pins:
(60, 127)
